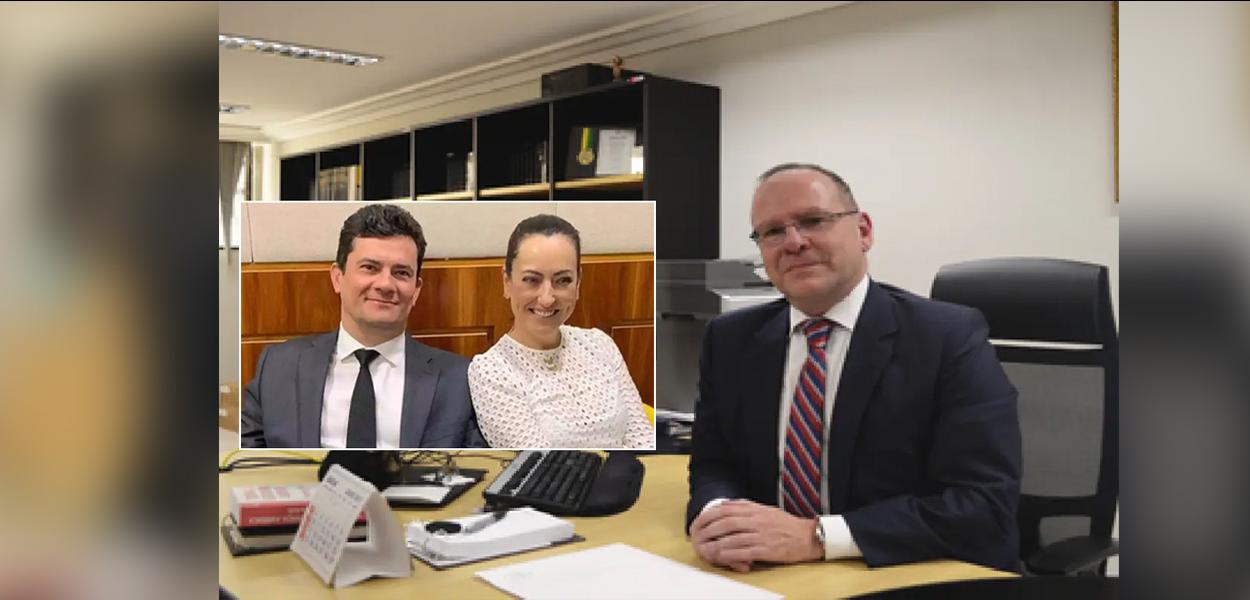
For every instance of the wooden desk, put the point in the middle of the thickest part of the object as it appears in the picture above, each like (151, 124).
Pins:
(654, 523)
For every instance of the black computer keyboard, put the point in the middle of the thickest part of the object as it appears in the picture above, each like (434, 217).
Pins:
(553, 481)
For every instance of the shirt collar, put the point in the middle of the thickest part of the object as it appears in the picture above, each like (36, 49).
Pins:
(392, 350)
(845, 313)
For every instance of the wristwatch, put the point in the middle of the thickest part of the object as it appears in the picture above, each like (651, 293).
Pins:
(820, 536)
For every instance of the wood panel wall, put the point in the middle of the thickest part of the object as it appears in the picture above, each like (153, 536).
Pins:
(461, 308)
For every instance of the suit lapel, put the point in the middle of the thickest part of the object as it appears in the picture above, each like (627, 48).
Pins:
(871, 346)
(762, 397)
(420, 381)
(314, 366)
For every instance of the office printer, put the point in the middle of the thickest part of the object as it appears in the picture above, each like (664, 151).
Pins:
(689, 293)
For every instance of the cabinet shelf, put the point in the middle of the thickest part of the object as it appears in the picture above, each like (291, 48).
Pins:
(526, 189)
(462, 195)
(606, 183)
(390, 167)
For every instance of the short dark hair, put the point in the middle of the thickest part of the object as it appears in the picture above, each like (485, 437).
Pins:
(379, 221)
(847, 196)
(540, 225)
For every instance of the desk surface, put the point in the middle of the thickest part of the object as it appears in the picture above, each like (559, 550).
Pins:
(1018, 588)
(654, 524)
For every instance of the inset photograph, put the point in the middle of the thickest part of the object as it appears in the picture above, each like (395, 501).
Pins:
(447, 325)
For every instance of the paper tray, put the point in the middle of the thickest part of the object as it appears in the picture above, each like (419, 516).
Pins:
(444, 565)
(412, 475)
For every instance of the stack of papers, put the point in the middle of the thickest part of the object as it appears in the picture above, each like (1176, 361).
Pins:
(616, 571)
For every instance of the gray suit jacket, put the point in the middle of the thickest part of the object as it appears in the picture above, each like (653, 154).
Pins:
(282, 404)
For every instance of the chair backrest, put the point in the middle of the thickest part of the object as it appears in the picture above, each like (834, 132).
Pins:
(1052, 326)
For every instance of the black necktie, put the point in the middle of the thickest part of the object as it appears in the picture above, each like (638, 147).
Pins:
(362, 421)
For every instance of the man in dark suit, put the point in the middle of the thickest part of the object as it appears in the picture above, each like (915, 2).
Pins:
(313, 392)
(851, 419)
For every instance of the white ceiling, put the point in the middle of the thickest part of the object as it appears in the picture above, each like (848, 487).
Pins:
(418, 41)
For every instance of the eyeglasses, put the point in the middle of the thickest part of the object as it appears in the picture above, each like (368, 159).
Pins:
(807, 225)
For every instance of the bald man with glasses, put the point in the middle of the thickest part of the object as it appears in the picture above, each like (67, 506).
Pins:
(850, 419)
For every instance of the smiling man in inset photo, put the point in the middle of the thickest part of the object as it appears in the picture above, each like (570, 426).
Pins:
(367, 385)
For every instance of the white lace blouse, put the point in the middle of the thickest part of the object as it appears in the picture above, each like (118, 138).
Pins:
(579, 395)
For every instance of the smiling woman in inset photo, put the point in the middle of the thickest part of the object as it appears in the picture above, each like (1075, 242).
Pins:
(545, 384)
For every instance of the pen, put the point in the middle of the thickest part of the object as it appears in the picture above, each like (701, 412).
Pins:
(484, 523)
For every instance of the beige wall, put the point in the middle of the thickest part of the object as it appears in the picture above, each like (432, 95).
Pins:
(1185, 89)
(228, 315)
(308, 231)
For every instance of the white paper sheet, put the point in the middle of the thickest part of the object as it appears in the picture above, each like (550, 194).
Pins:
(615, 149)
(616, 571)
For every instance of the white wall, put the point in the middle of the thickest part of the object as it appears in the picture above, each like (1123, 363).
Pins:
(266, 168)
(228, 314)
(966, 130)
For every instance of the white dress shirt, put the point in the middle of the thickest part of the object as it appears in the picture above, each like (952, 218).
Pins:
(838, 540)
(387, 371)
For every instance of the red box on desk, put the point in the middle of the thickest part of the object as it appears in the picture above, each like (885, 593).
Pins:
(272, 505)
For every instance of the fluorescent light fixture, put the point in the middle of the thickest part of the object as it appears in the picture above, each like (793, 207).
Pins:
(238, 42)
(226, 108)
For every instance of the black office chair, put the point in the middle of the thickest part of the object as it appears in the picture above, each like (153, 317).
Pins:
(1052, 326)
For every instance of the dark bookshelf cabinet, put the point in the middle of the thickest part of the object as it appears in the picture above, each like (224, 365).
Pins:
(616, 108)
(512, 151)
(524, 152)
(389, 175)
(443, 152)
(298, 177)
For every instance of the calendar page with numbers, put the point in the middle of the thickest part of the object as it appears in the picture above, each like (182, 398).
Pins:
(332, 510)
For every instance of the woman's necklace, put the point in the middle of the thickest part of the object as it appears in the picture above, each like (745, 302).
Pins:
(551, 359)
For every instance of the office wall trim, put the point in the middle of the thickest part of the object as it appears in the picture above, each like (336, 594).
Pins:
(674, 28)
(240, 133)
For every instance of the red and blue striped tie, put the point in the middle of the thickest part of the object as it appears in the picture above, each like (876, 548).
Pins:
(801, 473)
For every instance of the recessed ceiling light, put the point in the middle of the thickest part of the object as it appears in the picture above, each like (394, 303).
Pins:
(226, 108)
(238, 42)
